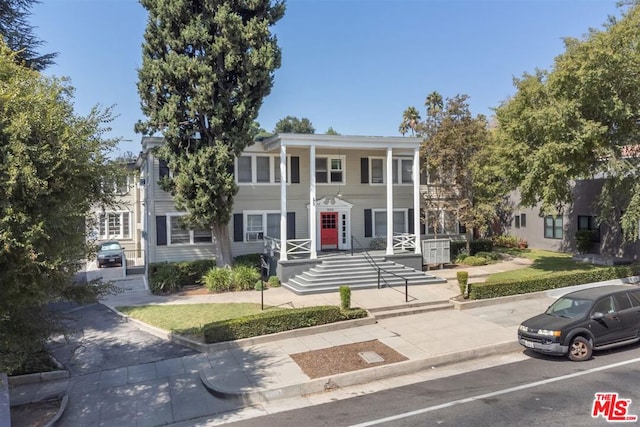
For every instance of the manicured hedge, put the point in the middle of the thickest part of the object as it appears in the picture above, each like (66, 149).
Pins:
(479, 245)
(551, 281)
(272, 321)
(165, 277)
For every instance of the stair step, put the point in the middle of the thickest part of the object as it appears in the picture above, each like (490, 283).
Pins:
(408, 305)
(373, 280)
(413, 310)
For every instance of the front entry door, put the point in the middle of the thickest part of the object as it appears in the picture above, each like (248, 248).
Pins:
(329, 230)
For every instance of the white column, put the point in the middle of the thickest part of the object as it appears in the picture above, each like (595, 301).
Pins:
(313, 235)
(283, 202)
(416, 199)
(389, 201)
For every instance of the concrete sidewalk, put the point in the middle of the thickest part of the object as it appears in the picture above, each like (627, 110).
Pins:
(253, 372)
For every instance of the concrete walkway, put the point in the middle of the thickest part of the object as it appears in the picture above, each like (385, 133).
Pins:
(171, 390)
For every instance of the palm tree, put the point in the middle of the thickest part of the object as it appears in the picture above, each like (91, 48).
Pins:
(410, 120)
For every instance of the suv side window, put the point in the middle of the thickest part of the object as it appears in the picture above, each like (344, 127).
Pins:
(622, 301)
(635, 297)
(604, 306)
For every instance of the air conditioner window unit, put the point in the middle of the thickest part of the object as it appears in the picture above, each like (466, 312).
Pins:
(254, 236)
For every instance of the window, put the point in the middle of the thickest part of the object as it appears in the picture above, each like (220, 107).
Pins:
(179, 234)
(258, 169)
(586, 222)
(517, 221)
(445, 220)
(553, 227)
(330, 170)
(114, 225)
(377, 171)
(122, 184)
(260, 224)
(380, 222)
(523, 220)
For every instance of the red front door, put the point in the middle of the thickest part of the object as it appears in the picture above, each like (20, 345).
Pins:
(329, 230)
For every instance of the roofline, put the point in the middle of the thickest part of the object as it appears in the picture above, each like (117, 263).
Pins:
(340, 141)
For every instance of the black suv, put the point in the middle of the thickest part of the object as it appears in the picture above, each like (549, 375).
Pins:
(585, 320)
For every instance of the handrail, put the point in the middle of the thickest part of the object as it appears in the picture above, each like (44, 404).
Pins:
(375, 265)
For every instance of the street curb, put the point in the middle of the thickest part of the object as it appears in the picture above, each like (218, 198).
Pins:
(245, 342)
(38, 377)
(58, 415)
(353, 378)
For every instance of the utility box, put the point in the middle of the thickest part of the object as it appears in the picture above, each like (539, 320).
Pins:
(436, 251)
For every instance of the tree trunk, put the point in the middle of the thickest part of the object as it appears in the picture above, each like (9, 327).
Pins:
(223, 245)
(469, 235)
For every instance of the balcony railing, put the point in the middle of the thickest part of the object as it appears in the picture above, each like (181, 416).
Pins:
(294, 246)
(134, 257)
(404, 241)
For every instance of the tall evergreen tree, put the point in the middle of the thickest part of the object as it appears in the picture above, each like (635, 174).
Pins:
(291, 124)
(18, 34)
(207, 66)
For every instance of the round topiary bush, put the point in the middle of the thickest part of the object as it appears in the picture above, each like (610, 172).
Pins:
(474, 261)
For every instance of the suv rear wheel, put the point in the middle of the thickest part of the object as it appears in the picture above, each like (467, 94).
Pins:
(580, 349)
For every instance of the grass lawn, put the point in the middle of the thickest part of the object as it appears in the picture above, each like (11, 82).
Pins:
(544, 263)
(188, 318)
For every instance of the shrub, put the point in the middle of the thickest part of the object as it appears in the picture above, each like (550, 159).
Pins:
(165, 277)
(243, 277)
(584, 240)
(461, 257)
(505, 241)
(252, 260)
(463, 280)
(273, 321)
(260, 285)
(458, 247)
(218, 279)
(378, 243)
(551, 281)
(474, 261)
(493, 256)
(345, 297)
(274, 282)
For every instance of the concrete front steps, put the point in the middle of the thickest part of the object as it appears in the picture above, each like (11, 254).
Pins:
(410, 308)
(357, 273)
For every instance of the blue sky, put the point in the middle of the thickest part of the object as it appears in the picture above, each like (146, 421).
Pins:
(354, 65)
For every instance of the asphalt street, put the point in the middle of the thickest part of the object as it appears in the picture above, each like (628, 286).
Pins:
(539, 390)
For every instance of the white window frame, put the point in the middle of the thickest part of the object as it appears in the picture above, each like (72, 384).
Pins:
(254, 169)
(245, 223)
(329, 157)
(191, 240)
(405, 211)
(105, 224)
(397, 161)
(384, 170)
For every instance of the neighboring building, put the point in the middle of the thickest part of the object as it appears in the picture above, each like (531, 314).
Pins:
(557, 232)
(337, 187)
(123, 221)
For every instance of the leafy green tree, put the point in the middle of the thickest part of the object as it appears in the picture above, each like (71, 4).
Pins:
(456, 145)
(331, 131)
(577, 121)
(291, 124)
(206, 68)
(18, 33)
(52, 167)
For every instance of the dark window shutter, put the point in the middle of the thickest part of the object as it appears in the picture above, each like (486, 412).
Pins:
(364, 170)
(291, 225)
(231, 169)
(423, 226)
(368, 229)
(295, 170)
(410, 219)
(163, 169)
(238, 228)
(161, 230)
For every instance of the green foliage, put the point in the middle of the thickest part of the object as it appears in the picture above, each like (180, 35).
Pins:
(551, 281)
(457, 247)
(252, 260)
(579, 120)
(378, 243)
(345, 297)
(167, 277)
(273, 321)
(291, 124)
(505, 241)
(463, 281)
(274, 282)
(474, 261)
(584, 240)
(243, 277)
(206, 68)
(461, 257)
(492, 256)
(52, 165)
(260, 285)
(218, 279)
